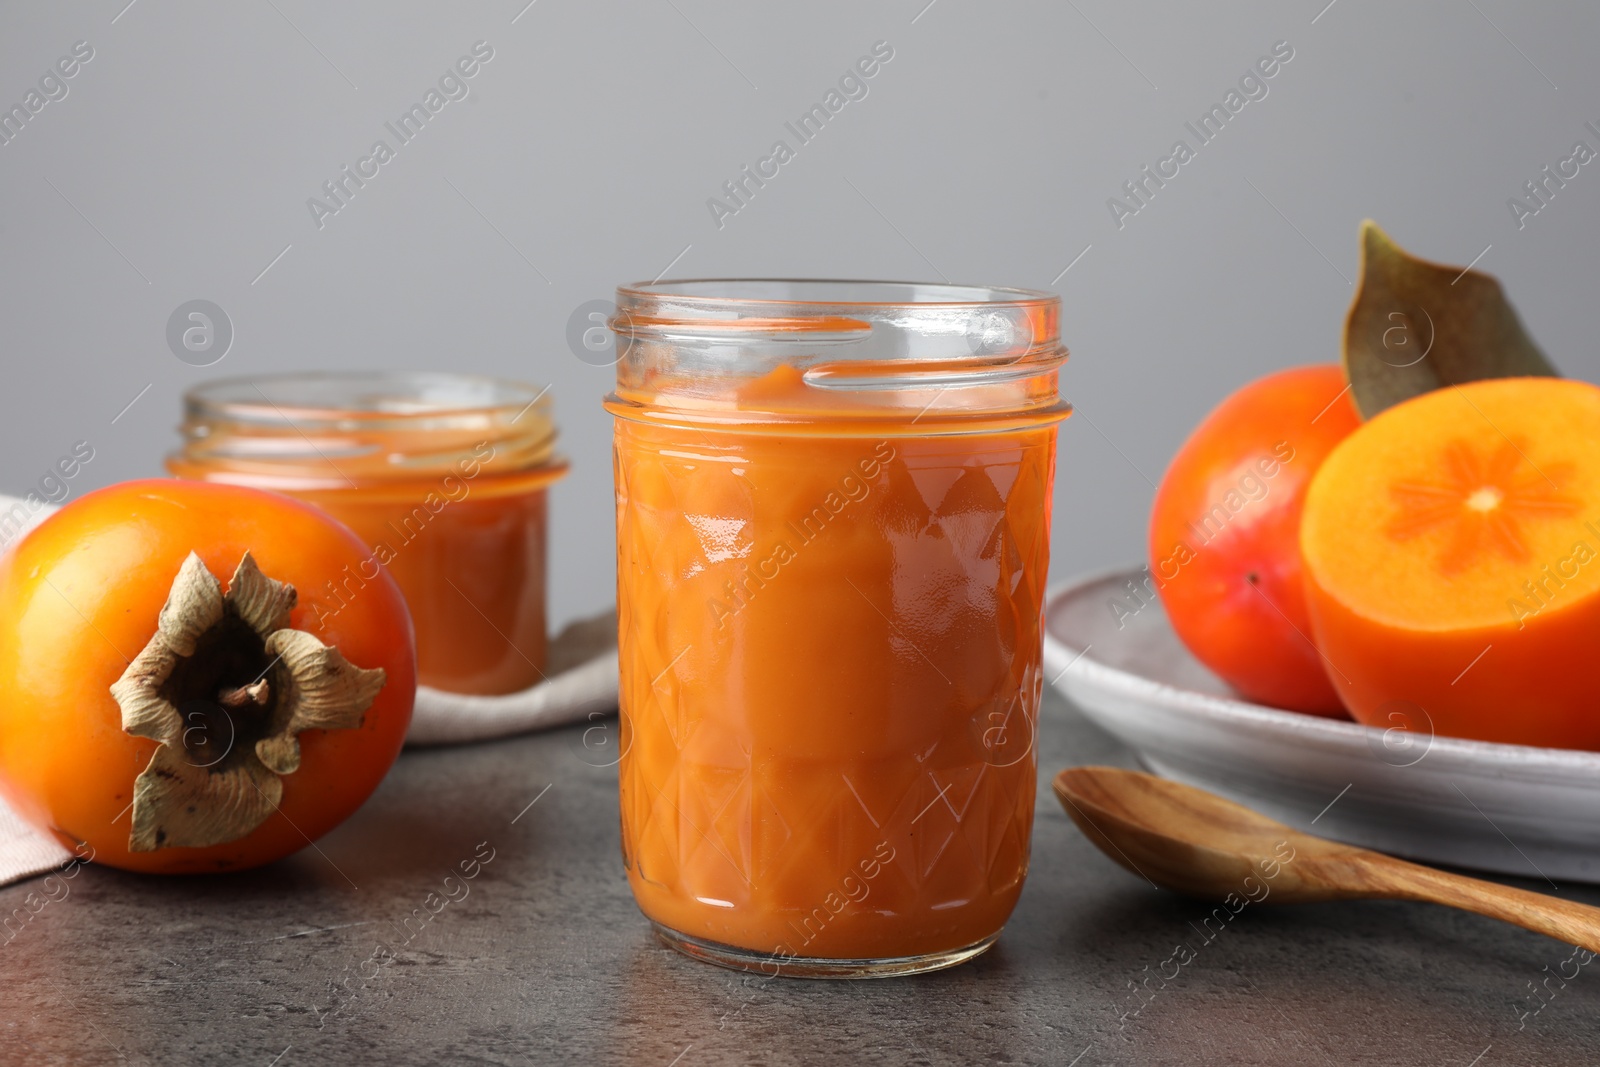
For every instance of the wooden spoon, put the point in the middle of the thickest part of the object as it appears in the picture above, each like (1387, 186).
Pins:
(1196, 843)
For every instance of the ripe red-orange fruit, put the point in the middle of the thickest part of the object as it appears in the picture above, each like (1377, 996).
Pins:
(171, 697)
(1225, 535)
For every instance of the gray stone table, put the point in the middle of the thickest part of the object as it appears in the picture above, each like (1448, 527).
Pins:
(546, 960)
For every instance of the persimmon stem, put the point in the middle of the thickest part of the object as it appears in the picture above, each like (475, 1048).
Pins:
(183, 683)
(257, 694)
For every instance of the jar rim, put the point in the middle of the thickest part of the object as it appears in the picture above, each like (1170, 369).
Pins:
(775, 352)
(337, 429)
(392, 397)
(715, 291)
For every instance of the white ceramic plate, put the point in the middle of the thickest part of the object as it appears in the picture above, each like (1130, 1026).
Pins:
(1533, 812)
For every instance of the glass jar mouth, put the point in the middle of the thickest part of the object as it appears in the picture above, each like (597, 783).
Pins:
(343, 429)
(877, 327)
(748, 351)
(371, 400)
(824, 292)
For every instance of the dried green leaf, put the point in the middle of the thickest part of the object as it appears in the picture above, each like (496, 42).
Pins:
(1415, 326)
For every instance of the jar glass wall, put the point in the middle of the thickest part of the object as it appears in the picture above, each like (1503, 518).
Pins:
(833, 510)
(443, 476)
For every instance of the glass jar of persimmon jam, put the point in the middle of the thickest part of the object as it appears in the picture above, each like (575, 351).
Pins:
(443, 476)
(833, 525)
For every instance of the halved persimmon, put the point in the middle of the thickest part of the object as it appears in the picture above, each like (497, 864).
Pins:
(1452, 563)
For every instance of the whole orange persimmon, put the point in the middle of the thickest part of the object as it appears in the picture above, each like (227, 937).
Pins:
(181, 690)
(1225, 529)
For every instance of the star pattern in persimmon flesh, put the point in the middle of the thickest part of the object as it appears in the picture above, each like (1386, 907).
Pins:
(1484, 498)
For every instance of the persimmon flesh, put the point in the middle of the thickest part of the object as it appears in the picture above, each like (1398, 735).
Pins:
(1452, 563)
(1224, 535)
(85, 600)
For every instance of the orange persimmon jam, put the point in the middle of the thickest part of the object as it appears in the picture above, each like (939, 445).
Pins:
(833, 514)
(443, 476)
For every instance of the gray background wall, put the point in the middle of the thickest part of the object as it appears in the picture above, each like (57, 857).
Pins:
(179, 163)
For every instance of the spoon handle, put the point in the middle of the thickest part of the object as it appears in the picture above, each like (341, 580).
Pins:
(1564, 920)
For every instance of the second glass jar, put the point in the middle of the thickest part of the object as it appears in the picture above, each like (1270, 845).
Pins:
(443, 476)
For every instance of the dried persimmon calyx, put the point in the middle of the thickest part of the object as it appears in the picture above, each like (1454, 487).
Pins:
(225, 687)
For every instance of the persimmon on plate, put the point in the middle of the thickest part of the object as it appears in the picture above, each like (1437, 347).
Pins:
(180, 689)
(1452, 562)
(1224, 535)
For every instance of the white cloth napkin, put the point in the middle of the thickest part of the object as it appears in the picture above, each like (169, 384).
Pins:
(580, 683)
